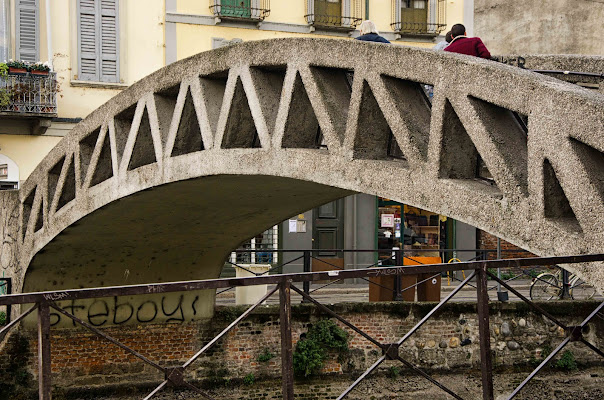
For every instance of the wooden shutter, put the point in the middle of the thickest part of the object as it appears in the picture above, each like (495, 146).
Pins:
(27, 30)
(98, 40)
(109, 63)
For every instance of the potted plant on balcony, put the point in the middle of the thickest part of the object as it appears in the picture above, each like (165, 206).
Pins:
(16, 67)
(4, 94)
(39, 69)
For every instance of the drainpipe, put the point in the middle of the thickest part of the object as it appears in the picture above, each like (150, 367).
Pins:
(366, 9)
(49, 36)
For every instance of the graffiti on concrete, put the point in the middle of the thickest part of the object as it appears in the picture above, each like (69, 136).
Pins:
(517, 61)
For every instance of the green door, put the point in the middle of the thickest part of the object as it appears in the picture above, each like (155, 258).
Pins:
(236, 8)
(414, 16)
(328, 12)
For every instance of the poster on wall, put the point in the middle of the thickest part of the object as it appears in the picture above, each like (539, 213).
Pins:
(387, 220)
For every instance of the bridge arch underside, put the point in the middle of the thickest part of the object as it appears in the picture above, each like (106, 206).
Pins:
(268, 129)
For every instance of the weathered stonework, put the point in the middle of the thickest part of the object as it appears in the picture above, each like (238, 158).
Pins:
(161, 182)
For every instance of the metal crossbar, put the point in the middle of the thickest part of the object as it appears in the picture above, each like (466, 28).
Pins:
(43, 301)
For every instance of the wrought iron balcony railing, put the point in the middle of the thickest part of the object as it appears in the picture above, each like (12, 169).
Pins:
(334, 14)
(418, 17)
(29, 94)
(241, 9)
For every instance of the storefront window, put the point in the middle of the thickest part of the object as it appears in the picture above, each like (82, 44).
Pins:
(418, 232)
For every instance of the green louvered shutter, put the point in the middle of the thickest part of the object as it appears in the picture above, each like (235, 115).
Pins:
(98, 40)
(27, 30)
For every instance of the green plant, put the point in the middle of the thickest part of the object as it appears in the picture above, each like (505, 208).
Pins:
(2, 318)
(393, 372)
(311, 352)
(249, 379)
(42, 67)
(265, 356)
(17, 64)
(546, 350)
(566, 362)
(308, 358)
(4, 94)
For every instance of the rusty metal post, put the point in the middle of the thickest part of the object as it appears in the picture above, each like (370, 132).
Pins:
(287, 362)
(485, 333)
(44, 377)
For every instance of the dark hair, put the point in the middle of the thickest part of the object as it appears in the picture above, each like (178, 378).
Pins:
(457, 30)
(448, 37)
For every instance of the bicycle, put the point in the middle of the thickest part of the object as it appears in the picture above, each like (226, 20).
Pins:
(546, 286)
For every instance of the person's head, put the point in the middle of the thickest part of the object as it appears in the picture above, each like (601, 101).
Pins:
(448, 37)
(458, 30)
(368, 27)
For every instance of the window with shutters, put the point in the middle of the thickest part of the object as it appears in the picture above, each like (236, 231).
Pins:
(418, 17)
(338, 14)
(98, 41)
(27, 28)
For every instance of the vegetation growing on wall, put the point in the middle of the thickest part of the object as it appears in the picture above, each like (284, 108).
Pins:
(311, 351)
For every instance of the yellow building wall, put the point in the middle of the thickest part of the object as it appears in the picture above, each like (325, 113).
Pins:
(26, 151)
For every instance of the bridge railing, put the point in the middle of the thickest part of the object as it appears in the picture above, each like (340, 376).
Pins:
(481, 270)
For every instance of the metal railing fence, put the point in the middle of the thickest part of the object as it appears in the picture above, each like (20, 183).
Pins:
(30, 94)
(44, 301)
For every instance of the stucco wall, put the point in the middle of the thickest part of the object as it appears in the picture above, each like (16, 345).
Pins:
(541, 26)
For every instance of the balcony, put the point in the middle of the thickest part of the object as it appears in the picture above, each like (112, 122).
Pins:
(334, 14)
(29, 95)
(418, 17)
(246, 10)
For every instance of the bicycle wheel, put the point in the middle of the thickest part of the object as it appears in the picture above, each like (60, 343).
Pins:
(580, 290)
(545, 287)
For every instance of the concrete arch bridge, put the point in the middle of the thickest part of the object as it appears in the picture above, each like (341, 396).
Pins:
(164, 180)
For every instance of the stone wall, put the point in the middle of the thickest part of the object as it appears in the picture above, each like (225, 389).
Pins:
(447, 343)
(541, 26)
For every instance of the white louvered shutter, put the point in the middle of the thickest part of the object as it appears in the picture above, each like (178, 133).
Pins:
(27, 30)
(109, 63)
(98, 40)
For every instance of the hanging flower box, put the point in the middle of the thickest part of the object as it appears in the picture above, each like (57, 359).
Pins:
(39, 69)
(33, 72)
(17, 71)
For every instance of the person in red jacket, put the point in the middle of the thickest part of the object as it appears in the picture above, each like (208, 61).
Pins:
(462, 44)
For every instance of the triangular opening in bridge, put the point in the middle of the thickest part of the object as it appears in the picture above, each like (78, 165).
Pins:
(28, 204)
(103, 169)
(507, 131)
(414, 107)
(302, 129)
(87, 146)
(555, 202)
(165, 103)
(123, 124)
(335, 87)
(593, 161)
(374, 139)
(143, 152)
(212, 89)
(268, 83)
(39, 217)
(240, 131)
(53, 179)
(459, 158)
(188, 136)
(68, 191)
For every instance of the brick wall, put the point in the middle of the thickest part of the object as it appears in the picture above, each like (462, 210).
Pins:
(447, 342)
(488, 241)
